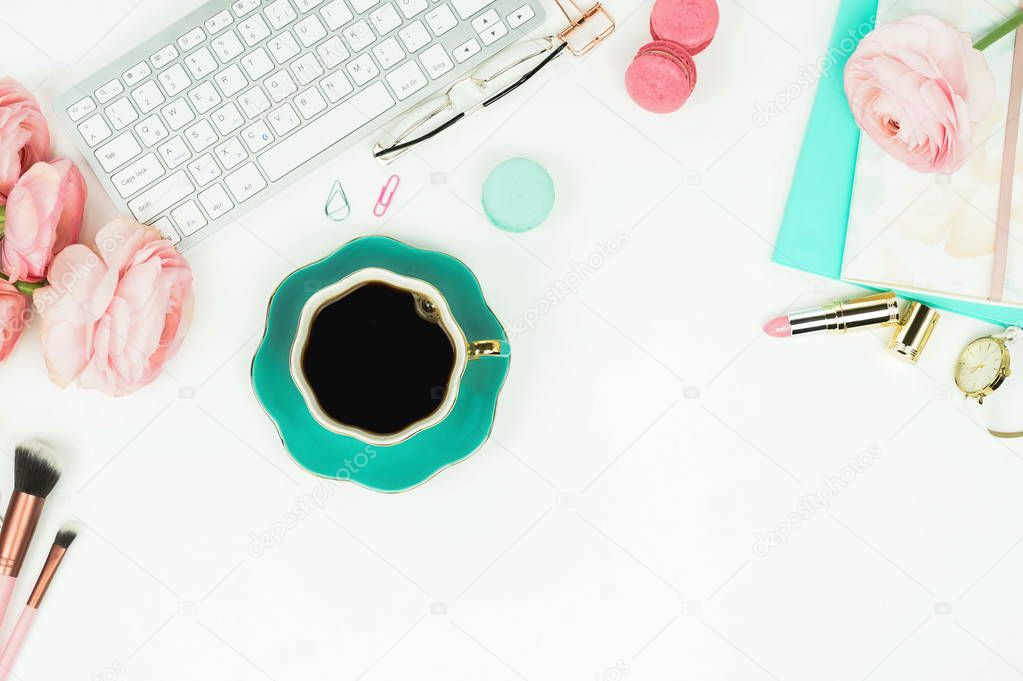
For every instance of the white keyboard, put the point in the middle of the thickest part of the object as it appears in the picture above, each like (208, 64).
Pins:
(238, 99)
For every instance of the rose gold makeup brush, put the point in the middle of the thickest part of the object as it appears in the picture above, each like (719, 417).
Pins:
(10, 651)
(35, 474)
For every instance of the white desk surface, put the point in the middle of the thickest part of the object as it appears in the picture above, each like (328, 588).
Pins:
(647, 433)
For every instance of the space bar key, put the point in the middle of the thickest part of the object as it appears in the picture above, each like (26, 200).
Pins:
(332, 127)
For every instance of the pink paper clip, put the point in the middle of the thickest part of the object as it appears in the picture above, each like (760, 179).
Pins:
(386, 196)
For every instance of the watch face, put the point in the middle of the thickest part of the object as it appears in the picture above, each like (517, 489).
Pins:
(979, 365)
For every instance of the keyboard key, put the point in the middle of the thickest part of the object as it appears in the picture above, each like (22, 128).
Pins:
(520, 16)
(388, 53)
(243, 7)
(164, 226)
(161, 196)
(147, 96)
(280, 85)
(336, 14)
(138, 175)
(204, 97)
(204, 169)
(410, 8)
(466, 8)
(362, 69)
(230, 153)
(466, 50)
(385, 19)
(178, 114)
(254, 30)
(359, 35)
(441, 20)
(227, 46)
(165, 55)
(331, 127)
(280, 14)
(121, 113)
(201, 63)
(82, 108)
(218, 22)
(174, 80)
(283, 47)
(151, 130)
(118, 151)
(406, 80)
(104, 93)
(245, 182)
(306, 68)
(257, 136)
(494, 33)
(200, 135)
(283, 119)
(94, 130)
(310, 103)
(216, 201)
(484, 21)
(189, 218)
(191, 39)
(436, 61)
(310, 31)
(332, 52)
(254, 101)
(135, 74)
(362, 5)
(306, 5)
(230, 80)
(174, 152)
(336, 86)
(414, 36)
(228, 118)
(257, 63)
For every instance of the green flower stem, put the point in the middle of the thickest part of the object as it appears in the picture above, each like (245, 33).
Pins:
(1003, 29)
(3, 220)
(26, 287)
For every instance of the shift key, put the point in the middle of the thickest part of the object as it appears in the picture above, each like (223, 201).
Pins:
(161, 196)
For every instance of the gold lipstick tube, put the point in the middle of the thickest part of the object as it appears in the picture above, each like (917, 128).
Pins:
(879, 309)
(20, 522)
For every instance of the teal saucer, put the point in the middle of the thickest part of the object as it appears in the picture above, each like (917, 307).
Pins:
(398, 467)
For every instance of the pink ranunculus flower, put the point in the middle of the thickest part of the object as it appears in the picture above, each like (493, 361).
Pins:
(916, 86)
(24, 135)
(44, 215)
(114, 315)
(13, 317)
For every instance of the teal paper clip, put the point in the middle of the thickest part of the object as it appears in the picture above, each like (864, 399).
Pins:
(337, 207)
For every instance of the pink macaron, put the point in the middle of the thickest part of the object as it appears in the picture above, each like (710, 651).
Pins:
(690, 23)
(661, 77)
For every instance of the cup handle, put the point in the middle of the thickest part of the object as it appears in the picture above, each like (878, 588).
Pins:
(484, 348)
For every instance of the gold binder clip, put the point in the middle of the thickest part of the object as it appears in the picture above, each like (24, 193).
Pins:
(579, 19)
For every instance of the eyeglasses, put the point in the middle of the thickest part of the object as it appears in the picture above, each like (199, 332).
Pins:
(497, 75)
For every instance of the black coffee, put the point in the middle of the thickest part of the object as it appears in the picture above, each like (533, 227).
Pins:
(376, 361)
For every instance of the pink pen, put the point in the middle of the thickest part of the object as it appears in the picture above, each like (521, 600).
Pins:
(10, 651)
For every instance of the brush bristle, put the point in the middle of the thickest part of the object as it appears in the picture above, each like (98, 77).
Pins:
(35, 470)
(65, 536)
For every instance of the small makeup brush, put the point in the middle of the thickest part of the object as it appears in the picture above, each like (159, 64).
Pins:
(35, 474)
(10, 651)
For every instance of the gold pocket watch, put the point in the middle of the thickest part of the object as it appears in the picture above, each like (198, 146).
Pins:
(985, 363)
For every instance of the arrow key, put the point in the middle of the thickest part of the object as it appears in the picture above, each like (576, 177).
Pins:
(466, 50)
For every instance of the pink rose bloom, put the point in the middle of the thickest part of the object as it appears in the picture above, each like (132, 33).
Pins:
(112, 317)
(44, 215)
(24, 135)
(916, 86)
(13, 317)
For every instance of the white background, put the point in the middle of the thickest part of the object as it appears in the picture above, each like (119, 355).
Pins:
(648, 430)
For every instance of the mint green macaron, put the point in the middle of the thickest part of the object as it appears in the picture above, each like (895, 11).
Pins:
(518, 195)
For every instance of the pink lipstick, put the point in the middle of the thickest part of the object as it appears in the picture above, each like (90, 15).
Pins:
(879, 309)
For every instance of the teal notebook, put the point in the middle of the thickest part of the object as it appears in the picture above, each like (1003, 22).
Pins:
(812, 233)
